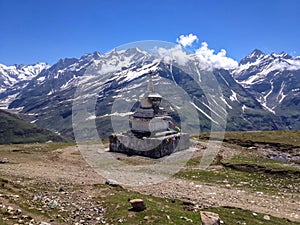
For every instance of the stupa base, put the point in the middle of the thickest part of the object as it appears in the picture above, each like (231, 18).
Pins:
(152, 147)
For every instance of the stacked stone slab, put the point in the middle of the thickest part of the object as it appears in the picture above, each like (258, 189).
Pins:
(150, 135)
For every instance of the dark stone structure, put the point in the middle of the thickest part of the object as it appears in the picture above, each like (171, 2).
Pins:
(150, 135)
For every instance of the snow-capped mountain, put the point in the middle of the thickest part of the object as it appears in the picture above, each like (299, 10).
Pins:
(14, 78)
(48, 97)
(274, 80)
(246, 97)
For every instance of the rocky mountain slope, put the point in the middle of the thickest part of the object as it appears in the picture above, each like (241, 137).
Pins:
(253, 96)
(274, 80)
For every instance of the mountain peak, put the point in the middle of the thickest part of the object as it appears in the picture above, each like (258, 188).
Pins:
(252, 57)
(257, 52)
(283, 55)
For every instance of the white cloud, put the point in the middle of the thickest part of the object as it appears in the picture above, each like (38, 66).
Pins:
(206, 57)
(187, 40)
(219, 60)
(175, 54)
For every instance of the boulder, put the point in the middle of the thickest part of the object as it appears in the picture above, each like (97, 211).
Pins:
(138, 205)
(210, 218)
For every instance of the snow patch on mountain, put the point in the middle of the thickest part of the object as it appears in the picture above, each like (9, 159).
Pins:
(259, 65)
(14, 78)
(233, 96)
(204, 113)
(10, 75)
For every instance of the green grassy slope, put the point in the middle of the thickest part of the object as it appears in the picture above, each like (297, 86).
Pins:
(283, 137)
(15, 130)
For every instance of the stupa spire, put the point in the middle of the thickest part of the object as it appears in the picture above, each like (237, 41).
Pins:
(150, 87)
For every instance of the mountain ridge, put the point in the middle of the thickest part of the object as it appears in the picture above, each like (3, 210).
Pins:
(47, 97)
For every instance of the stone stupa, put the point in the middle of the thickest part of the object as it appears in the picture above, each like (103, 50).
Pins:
(150, 134)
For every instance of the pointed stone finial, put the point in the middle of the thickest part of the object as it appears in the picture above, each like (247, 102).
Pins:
(150, 87)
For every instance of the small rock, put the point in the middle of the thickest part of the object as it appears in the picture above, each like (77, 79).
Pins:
(138, 204)
(88, 217)
(210, 218)
(4, 160)
(186, 219)
(37, 198)
(112, 183)
(19, 211)
(266, 217)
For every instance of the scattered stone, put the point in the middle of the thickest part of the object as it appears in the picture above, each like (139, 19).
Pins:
(112, 183)
(18, 211)
(138, 205)
(4, 160)
(37, 198)
(209, 218)
(186, 219)
(120, 220)
(45, 223)
(61, 189)
(266, 217)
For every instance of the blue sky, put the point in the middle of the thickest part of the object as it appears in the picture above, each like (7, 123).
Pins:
(47, 30)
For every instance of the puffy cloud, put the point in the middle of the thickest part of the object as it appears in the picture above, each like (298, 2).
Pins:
(187, 40)
(174, 54)
(208, 58)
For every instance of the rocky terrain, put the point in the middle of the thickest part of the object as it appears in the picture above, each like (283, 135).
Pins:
(52, 184)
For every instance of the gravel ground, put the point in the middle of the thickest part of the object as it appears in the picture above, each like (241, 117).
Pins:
(66, 168)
